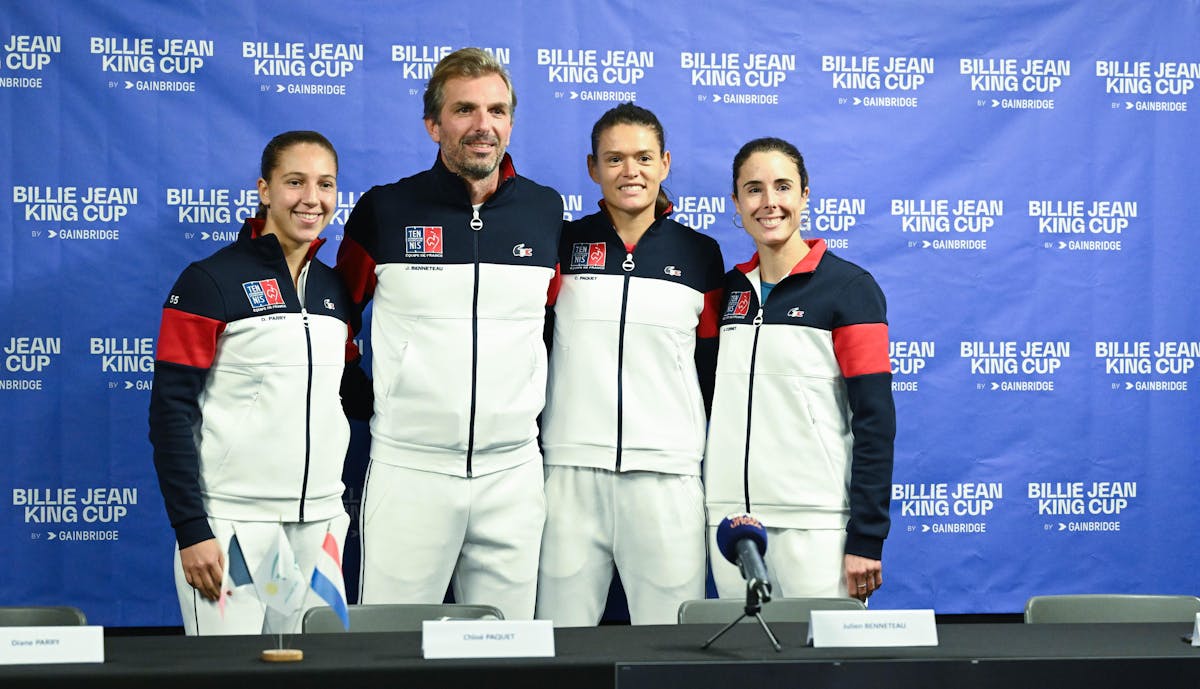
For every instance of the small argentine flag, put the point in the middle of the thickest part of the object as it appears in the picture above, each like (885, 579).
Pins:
(278, 580)
(327, 579)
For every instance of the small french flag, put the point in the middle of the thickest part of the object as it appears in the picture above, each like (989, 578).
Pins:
(327, 580)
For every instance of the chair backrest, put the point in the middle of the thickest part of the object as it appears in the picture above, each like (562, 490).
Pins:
(41, 616)
(394, 617)
(1103, 607)
(725, 610)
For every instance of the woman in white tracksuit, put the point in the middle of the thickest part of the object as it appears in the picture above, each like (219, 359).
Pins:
(630, 374)
(803, 422)
(246, 416)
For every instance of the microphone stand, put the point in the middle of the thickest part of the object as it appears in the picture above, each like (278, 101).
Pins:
(754, 601)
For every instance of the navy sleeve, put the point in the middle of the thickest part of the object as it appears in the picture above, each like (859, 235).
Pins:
(873, 422)
(358, 395)
(192, 321)
(174, 412)
(708, 330)
(861, 345)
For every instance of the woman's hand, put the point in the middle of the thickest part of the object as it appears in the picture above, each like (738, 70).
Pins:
(204, 567)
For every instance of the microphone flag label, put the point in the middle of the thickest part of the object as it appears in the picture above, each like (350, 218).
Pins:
(736, 527)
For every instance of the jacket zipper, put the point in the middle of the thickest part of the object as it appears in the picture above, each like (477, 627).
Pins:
(758, 319)
(476, 227)
(302, 284)
(627, 265)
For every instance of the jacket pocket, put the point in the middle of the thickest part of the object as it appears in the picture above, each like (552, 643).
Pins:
(230, 415)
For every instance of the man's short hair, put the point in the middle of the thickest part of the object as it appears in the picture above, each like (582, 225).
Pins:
(469, 63)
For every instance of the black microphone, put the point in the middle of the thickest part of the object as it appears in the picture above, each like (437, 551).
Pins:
(742, 539)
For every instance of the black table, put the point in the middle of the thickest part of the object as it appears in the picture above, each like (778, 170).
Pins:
(1012, 656)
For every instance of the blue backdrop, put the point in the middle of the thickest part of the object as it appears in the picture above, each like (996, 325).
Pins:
(1017, 174)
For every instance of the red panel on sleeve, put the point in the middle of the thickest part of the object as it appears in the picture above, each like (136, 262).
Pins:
(188, 339)
(555, 284)
(862, 349)
(357, 269)
(710, 317)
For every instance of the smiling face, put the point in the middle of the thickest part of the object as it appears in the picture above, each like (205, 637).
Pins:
(300, 195)
(474, 125)
(770, 199)
(630, 166)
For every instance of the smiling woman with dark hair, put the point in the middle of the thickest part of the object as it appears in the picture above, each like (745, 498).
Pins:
(803, 422)
(246, 416)
(630, 376)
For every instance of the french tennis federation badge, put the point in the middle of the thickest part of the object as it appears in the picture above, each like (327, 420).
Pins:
(739, 304)
(263, 294)
(423, 241)
(588, 255)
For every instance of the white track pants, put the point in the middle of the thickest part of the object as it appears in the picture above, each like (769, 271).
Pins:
(802, 563)
(244, 613)
(650, 525)
(423, 531)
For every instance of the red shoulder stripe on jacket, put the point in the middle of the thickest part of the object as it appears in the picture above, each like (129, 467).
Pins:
(357, 269)
(862, 349)
(187, 339)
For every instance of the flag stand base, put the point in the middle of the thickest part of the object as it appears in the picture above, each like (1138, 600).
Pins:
(282, 655)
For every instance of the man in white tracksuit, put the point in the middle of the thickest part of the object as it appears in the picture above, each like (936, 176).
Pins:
(460, 261)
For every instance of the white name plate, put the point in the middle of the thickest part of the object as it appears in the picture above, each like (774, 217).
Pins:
(35, 645)
(487, 639)
(1196, 631)
(872, 628)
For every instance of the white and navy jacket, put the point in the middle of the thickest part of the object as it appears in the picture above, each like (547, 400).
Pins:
(803, 422)
(626, 370)
(245, 414)
(460, 300)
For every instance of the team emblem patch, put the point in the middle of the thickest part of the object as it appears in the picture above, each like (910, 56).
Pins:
(263, 294)
(739, 304)
(588, 254)
(423, 240)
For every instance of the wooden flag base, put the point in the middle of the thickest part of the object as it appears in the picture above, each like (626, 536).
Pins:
(282, 655)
